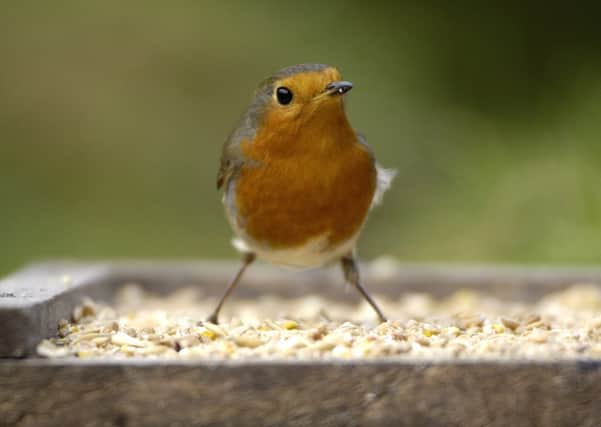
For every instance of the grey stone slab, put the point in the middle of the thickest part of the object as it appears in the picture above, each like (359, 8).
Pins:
(409, 393)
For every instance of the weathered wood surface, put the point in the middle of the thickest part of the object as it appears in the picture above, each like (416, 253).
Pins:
(40, 393)
(35, 299)
(37, 392)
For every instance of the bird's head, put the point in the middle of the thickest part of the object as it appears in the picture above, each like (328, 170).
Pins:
(298, 92)
(302, 101)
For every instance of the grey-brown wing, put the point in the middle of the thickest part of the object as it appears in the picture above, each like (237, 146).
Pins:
(384, 176)
(232, 158)
(223, 174)
(363, 141)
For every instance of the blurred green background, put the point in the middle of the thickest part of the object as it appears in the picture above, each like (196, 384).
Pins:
(112, 116)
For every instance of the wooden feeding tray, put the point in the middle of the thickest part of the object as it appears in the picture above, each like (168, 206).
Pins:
(402, 387)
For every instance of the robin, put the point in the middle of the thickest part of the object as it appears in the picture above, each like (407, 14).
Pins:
(298, 180)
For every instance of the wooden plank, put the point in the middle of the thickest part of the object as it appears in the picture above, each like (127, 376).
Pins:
(38, 392)
(408, 393)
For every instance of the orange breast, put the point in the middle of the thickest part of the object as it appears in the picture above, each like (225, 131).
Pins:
(301, 188)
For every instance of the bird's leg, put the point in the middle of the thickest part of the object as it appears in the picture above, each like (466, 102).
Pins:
(351, 274)
(247, 259)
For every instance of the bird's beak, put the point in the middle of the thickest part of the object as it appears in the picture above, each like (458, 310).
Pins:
(338, 88)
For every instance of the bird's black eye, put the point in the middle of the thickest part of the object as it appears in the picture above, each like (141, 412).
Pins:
(284, 95)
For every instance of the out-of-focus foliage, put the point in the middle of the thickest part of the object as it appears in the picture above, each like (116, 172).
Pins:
(112, 115)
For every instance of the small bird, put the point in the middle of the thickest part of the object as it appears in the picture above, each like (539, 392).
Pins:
(298, 180)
